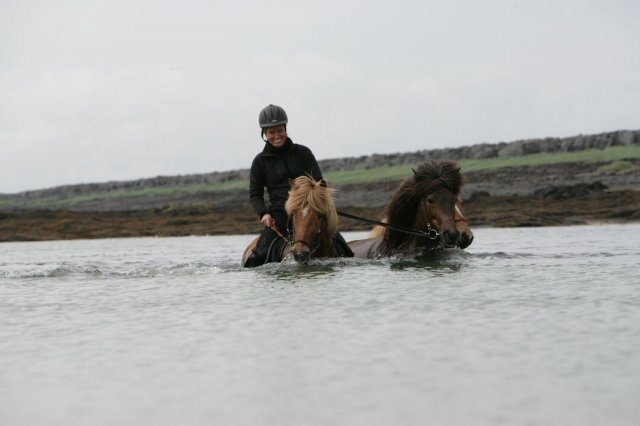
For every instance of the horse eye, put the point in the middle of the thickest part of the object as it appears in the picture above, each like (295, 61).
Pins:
(430, 199)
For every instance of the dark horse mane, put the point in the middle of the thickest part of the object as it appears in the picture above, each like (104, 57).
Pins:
(404, 208)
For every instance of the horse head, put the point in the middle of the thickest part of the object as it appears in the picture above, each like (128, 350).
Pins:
(314, 220)
(426, 200)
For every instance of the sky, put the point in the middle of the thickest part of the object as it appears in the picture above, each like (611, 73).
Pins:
(96, 91)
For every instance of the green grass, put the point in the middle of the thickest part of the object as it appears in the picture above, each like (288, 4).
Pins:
(181, 191)
(619, 166)
(401, 171)
(618, 157)
(592, 155)
(368, 175)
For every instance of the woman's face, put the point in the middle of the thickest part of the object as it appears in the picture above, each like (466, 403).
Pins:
(276, 135)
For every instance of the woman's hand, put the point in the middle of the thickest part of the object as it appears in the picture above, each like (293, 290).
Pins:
(267, 220)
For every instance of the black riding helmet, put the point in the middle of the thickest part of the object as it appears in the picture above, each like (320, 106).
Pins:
(271, 116)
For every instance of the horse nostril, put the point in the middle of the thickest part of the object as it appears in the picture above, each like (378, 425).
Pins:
(465, 240)
(451, 237)
(301, 256)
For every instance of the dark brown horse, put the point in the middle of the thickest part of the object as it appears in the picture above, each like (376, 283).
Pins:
(427, 202)
(314, 223)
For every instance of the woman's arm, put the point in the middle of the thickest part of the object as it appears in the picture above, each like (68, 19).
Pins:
(256, 187)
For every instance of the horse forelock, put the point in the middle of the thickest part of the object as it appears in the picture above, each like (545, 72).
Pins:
(432, 175)
(306, 191)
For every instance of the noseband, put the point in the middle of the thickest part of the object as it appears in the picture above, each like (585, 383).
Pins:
(313, 247)
(431, 232)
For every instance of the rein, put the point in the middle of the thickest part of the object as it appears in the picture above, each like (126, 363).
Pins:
(430, 233)
(277, 231)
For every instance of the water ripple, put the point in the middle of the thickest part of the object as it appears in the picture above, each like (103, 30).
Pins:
(525, 327)
(130, 271)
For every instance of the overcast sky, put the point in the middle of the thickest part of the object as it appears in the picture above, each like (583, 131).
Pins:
(92, 91)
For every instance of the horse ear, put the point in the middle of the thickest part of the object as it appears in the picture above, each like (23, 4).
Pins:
(414, 171)
(323, 183)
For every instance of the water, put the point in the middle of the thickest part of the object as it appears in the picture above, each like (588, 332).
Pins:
(536, 326)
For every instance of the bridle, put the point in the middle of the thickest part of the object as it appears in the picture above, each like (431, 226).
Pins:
(315, 245)
(431, 232)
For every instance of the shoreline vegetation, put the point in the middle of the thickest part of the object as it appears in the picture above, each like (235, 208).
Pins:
(538, 182)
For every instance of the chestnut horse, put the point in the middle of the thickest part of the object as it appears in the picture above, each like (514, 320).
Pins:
(313, 220)
(424, 214)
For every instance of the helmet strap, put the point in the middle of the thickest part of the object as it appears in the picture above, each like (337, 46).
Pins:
(262, 130)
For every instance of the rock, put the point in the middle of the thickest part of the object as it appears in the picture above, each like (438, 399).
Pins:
(565, 192)
(484, 150)
(478, 194)
(626, 137)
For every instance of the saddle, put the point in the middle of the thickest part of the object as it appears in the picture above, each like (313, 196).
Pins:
(276, 250)
(341, 246)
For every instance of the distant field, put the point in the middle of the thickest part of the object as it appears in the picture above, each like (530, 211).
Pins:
(594, 155)
(615, 156)
(174, 191)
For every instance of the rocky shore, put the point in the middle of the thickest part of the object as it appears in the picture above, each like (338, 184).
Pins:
(559, 194)
(581, 204)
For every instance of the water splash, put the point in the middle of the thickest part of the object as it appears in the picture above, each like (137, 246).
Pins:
(126, 270)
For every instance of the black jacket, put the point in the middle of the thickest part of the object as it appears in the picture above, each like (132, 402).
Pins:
(273, 168)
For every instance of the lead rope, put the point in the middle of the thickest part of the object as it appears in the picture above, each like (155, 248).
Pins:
(430, 233)
(277, 231)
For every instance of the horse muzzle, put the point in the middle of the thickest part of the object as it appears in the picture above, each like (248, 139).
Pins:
(465, 240)
(301, 255)
(450, 238)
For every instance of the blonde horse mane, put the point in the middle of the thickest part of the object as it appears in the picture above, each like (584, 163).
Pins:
(305, 191)
(377, 231)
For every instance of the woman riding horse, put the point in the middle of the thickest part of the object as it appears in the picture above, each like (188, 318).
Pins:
(313, 221)
(274, 168)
